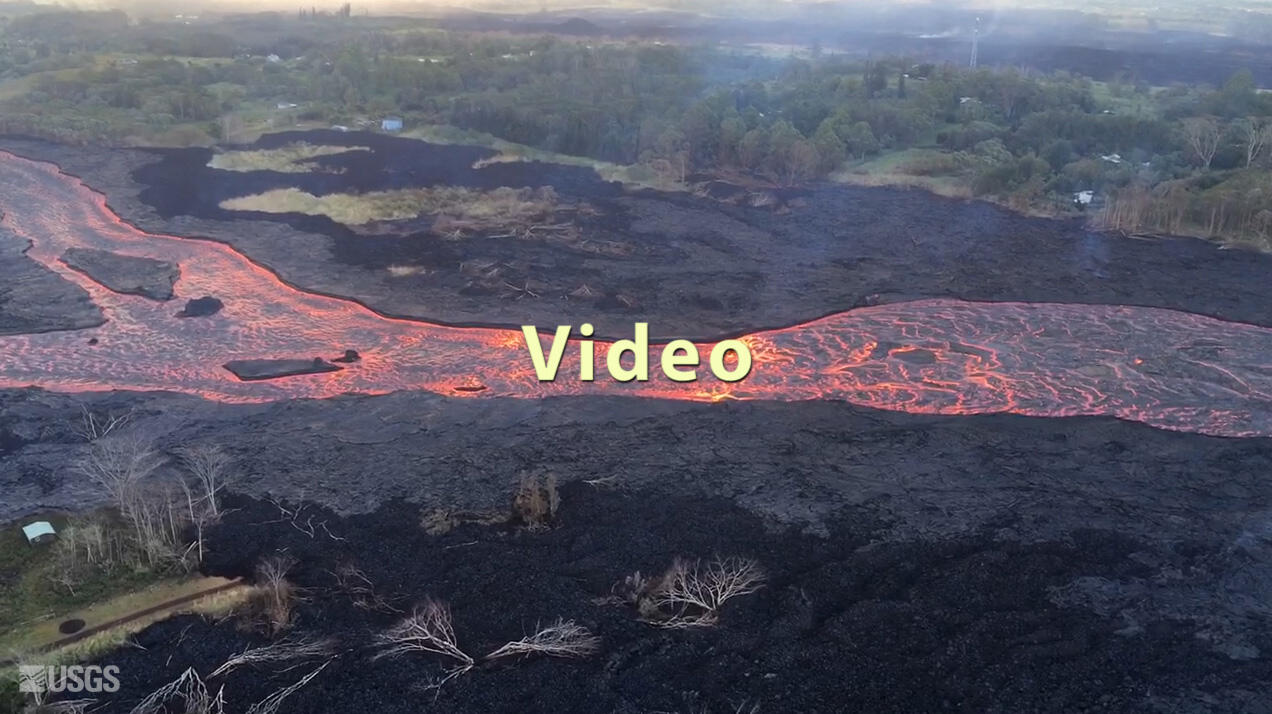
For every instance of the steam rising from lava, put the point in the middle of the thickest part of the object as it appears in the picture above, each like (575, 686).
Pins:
(1169, 369)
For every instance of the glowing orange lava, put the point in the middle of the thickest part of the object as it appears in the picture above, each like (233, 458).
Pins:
(1169, 369)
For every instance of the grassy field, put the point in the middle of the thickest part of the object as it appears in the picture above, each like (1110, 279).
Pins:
(293, 158)
(18, 86)
(1125, 103)
(22, 646)
(29, 596)
(896, 168)
(43, 632)
(632, 176)
(488, 208)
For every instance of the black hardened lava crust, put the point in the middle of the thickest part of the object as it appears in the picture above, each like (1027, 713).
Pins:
(694, 266)
(963, 625)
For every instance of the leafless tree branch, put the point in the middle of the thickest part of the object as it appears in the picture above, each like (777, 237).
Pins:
(94, 426)
(270, 704)
(282, 651)
(212, 469)
(690, 594)
(427, 629)
(188, 692)
(563, 638)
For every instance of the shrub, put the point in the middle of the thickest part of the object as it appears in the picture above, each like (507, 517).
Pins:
(272, 597)
(690, 594)
(536, 502)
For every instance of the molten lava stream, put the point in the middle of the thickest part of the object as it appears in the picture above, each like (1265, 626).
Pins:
(1170, 369)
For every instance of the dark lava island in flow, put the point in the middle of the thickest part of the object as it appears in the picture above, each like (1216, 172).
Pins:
(126, 274)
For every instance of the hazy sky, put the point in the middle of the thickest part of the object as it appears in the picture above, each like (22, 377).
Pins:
(1142, 8)
(182, 6)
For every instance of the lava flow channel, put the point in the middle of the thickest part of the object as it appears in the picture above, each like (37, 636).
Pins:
(1170, 369)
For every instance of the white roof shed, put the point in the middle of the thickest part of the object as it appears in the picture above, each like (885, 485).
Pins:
(39, 532)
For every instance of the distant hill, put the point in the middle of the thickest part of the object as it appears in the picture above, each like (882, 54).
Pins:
(578, 26)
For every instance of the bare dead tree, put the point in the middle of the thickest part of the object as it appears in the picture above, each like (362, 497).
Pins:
(1202, 135)
(118, 463)
(427, 629)
(562, 638)
(212, 470)
(96, 426)
(1255, 134)
(188, 693)
(274, 592)
(158, 521)
(356, 584)
(67, 706)
(691, 594)
(270, 704)
(231, 125)
(199, 518)
(307, 526)
(286, 650)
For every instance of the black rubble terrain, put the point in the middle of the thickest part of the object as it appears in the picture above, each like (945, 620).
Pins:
(978, 622)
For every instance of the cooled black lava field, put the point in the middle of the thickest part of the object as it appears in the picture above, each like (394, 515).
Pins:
(915, 562)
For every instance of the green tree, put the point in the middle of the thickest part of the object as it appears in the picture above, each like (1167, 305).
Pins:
(1238, 96)
(701, 127)
(831, 150)
(782, 138)
(1058, 153)
(732, 131)
(754, 149)
(860, 140)
(801, 161)
(876, 79)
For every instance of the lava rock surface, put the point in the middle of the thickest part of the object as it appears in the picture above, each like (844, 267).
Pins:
(251, 370)
(126, 274)
(201, 307)
(971, 623)
(36, 299)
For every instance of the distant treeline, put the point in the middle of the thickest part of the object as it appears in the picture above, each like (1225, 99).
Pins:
(1163, 159)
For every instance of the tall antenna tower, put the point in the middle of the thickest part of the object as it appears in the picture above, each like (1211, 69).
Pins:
(975, 43)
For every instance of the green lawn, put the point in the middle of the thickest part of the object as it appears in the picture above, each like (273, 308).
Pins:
(1124, 102)
(893, 168)
(31, 601)
(635, 176)
(44, 632)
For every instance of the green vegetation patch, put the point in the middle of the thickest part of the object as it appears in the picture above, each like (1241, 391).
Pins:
(462, 207)
(45, 631)
(34, 583)
(631, 175)
(941, 172)
(294, 158)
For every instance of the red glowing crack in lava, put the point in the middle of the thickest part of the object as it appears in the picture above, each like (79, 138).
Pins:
(1170, 369)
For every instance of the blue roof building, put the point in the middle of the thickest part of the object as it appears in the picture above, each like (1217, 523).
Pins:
(39, 532)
